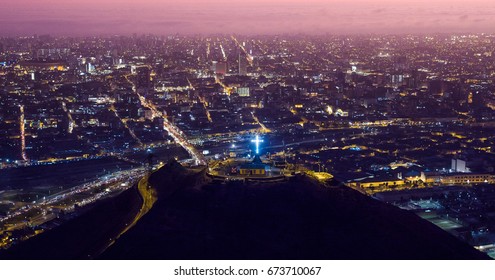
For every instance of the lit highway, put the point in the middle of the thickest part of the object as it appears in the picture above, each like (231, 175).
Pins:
(178, 136)
(149, 196)
(226, 89)
(248, 56)
(23, 133)
(263, 127)
(207, 49)
(45, 209)
(223, 52)
(124, 123)
(202, 100)
(71, 120)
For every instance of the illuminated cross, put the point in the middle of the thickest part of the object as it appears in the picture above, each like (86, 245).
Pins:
(257, 141)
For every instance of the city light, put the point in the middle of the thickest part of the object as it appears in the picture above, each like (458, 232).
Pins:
(401, 121)
(257, 142)
(23, 134)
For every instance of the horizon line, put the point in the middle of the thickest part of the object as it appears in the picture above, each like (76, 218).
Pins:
(183, 34)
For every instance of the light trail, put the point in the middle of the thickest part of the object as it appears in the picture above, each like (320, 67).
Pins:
(202, 100)
(248, 56)
(223, 53)
(67, 201)
(115, 178)
(72, 124)
(190, 84)
(258, 43)
(71, 120)
(149, 196)
(124, 122)
(207, 50)
(263, 127)
(172, 130)
(23, 133)
(226, 89)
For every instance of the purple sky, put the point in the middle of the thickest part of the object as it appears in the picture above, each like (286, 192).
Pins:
(88, 17)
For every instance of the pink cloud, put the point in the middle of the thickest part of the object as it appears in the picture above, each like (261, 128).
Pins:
(73, 17)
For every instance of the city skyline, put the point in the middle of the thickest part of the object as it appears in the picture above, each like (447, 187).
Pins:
(231, 130)
(25, 17)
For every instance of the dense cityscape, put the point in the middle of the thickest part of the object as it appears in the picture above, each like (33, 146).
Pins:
(406, 119)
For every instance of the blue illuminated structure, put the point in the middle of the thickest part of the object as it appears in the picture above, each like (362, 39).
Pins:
(257, 142)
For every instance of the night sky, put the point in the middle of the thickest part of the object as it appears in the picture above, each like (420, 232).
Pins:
(95, 17)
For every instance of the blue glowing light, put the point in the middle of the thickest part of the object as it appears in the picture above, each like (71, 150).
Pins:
(257, 142)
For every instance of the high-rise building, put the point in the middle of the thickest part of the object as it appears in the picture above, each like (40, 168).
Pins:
(221, 68)
(414, 80)
(90, 68)
(459, 165)
(397, 79)
(242, 65)
(400, 63)
(143, 78)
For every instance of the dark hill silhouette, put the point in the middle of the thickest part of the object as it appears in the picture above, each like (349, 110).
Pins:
(298, 219)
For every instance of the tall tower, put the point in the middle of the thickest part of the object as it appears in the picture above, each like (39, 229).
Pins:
(221, 68)
(143, 77)
(242, 65)
(143, 81)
